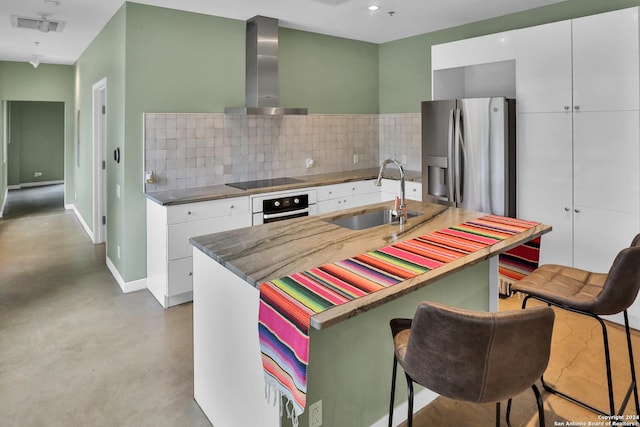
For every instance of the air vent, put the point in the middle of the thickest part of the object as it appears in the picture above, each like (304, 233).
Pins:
(41, 24)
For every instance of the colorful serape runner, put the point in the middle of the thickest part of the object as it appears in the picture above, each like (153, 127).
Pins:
(286, 304)
(517, 263)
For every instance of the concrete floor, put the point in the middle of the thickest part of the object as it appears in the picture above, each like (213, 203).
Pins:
(75, 351)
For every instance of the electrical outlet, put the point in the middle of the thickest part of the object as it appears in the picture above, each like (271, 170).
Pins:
(355, 159)
(118, 251)
(37, 174)
(315, 414)
(404, 159)
(118, 191)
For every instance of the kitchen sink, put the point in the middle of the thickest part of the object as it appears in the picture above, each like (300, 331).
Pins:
(370, 219)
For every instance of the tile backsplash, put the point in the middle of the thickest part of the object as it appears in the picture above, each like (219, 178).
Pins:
(187, 150)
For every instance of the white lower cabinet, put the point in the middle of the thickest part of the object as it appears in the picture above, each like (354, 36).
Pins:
(579, 173)
(346, 195)
(169, 228)
(391, 188)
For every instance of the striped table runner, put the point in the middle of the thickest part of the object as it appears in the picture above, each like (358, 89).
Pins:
(287, 303)
(517, 263)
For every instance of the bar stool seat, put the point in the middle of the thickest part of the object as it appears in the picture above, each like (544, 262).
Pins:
(594, 295)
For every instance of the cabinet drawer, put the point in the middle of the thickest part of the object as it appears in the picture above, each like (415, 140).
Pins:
(180, 276)
(347, 189)
(413, 191)
(179, 234)
(203, 210)
(328, 192)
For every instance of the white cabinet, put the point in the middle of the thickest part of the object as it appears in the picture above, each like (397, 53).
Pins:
(391, 188)
(605, 61)
(474, 68)
(169, 228)
(474, 51)
(578, 136)
(545, 180)
(584, 64)
(543, 68)
(347, 195)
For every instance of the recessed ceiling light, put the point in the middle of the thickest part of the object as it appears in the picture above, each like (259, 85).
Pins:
(373, 7)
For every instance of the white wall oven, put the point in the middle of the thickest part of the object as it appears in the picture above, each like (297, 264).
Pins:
(271, 207)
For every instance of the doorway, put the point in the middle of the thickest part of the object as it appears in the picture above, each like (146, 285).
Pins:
(99, 154)
(35, 143)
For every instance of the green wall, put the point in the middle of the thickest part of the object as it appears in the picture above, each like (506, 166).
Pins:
(405, 65)
(103, 59)
(327, 74)
(19, 81)
(175, 62)
(37, 142)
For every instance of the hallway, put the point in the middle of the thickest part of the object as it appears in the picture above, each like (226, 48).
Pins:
(74, 350)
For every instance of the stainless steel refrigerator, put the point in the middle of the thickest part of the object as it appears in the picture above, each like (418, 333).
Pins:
(469, 154)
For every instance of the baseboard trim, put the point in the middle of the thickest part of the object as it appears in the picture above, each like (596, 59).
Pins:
(33, 184)
(4, 201)
(78, 215)
(126, 287)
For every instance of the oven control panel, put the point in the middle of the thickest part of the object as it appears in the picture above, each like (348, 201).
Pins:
(284, 204)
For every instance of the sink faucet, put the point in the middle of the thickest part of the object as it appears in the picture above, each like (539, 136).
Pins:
(400, 210)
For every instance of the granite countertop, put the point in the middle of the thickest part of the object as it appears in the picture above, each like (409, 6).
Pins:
(270, 251)
(214, 192)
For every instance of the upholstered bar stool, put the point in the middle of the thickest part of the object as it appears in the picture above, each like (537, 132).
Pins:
(468, 355)
(593, 295)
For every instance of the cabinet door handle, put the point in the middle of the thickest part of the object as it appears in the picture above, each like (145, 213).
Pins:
(566, 209)
(232, 206)
(577, 210)
(190, 273)
(577, 107)
(188, 212)
(567, 108)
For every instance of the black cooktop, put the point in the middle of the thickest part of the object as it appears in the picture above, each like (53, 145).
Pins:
(248, 185)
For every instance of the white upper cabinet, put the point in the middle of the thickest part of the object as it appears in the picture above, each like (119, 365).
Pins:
(584, 64)
(543, 68)
(605, 61)
(477, 50)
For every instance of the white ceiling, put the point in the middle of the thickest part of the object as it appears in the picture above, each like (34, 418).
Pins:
(343, 18)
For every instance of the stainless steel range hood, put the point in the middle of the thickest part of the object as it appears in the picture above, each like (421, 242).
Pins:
(262, 70)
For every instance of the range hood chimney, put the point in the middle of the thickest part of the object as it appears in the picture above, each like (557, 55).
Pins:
(261, 84)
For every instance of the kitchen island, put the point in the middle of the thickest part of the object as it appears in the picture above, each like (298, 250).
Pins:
(350, 350)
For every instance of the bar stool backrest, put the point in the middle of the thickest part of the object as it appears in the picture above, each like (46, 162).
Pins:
(622, 283)
(478, 356)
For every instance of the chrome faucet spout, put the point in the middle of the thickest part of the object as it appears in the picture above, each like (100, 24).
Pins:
(400, 211)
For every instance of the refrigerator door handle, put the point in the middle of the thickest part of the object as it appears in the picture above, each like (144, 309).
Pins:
(456, 160)
(450, 167)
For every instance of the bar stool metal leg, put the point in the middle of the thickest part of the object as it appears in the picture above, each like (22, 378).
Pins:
(632, 387)
(393, 389)
(409, 400)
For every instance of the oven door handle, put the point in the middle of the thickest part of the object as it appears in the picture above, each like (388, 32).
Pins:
(285, 214)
